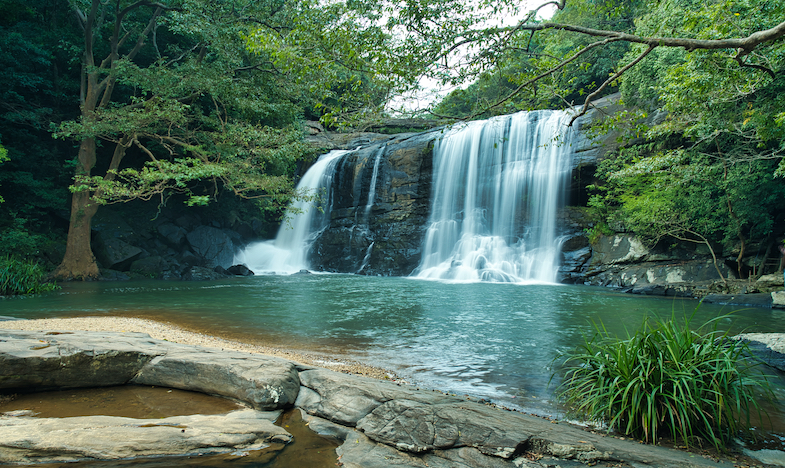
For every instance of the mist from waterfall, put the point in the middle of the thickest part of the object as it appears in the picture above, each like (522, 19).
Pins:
(303, 222)
(497, 188)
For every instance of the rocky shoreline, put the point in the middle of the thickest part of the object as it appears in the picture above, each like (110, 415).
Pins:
(379, 423)
(173, 333)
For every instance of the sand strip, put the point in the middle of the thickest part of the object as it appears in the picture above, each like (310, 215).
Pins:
(175, 334)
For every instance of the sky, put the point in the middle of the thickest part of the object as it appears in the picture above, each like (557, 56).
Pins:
(432, 91)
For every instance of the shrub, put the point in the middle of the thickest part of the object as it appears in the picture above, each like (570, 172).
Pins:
(665, 379)
(22, 277)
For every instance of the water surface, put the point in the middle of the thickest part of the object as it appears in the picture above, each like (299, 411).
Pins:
(486, 340)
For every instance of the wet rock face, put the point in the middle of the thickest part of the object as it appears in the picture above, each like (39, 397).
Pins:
(382, 237)
(623, 262)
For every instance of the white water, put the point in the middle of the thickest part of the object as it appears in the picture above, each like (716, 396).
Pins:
(497, 187)
(304, 220)
(372, 187)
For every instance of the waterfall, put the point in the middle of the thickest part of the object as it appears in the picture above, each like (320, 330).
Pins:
(303, 222)
(372, 187)
(497, 187)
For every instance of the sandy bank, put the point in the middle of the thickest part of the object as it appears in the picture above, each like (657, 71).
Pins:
(175, 334)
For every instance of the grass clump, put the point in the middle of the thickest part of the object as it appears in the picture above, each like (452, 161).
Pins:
(19, 277)
(695, 386)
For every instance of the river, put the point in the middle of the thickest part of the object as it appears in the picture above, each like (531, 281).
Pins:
(493, 341)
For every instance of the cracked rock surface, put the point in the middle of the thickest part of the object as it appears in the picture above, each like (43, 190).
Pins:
(380, 424)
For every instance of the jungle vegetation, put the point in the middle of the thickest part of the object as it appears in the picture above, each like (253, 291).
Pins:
(103, 102)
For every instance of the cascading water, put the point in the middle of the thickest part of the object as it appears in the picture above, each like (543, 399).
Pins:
(304, 220)
(497, 187)
(372, 187)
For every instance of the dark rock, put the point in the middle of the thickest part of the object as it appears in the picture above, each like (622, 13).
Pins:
(150, 266)
(213, 245)
(188, 222)
(385, 239)
(239, 270)
(591, 149)
(116, 254)
(189, 259)
(221, 270)
(575, 242)
(197, 273)
(174, 235)
(303, 272)
(747, 300)
(113, 275)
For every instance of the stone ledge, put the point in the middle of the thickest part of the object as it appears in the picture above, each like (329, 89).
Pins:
(769, 347)
(381, 423)
(28, 440)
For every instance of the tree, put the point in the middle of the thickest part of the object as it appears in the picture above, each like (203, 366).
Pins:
(173, 83)
(3, 158)
(454, 41)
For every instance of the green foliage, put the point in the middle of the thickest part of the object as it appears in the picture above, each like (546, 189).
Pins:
(666, 379)
(3, 158)
(19, 277)
(710, 96)
(702, 194)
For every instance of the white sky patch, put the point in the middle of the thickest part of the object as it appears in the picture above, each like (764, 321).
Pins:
(432, 91)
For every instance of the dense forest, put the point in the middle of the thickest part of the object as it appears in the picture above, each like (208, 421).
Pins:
(110, 101)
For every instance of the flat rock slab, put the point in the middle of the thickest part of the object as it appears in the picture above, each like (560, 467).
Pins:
(769, 347)
(380, 423)
(25, 439)
(379, 417)
(749, 300)
(35, 361)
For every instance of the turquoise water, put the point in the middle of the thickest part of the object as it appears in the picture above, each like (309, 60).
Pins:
(485, 340)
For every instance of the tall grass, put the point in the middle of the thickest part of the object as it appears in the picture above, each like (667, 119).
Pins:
(666, 379)
(22, 277)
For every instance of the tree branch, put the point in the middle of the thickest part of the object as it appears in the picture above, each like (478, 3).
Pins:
(607, 82)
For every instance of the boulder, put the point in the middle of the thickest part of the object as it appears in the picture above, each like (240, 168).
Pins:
(116, 254)
(773, 280)
(264, 383)
(620, 248)
(150, 266)
(31, 440)
(40, 361)
(197, 273)
(213, 245)
(239, 270)
(346, 401)
(778, 299)
(769, 347)
(419, 427)
(174, 235)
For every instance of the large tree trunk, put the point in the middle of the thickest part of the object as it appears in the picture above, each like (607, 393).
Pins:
(79, 261)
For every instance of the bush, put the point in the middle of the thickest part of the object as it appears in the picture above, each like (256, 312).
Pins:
(665, 380)
(21, 277)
